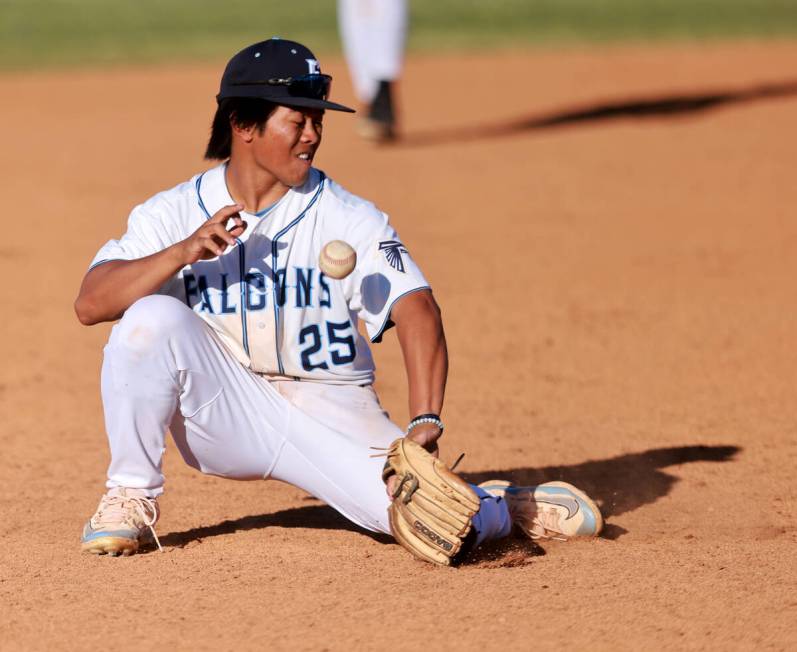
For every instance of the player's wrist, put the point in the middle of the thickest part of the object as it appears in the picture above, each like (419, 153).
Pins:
(426, 434)
(426, 421)
(180, 254)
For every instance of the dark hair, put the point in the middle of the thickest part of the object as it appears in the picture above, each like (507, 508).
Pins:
(244, 112)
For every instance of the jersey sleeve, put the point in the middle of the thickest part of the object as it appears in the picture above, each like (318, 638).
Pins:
(385, 271)
(147, 233)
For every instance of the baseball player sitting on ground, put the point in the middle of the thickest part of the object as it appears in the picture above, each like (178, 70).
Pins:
(231, 337)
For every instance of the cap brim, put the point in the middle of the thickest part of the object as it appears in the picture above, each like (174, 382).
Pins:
(287, 100)
(310, 103)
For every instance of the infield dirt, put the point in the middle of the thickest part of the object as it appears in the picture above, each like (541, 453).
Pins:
(612, 237)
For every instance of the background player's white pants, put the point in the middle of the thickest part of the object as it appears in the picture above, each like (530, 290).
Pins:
(165, 368)
(373, 34)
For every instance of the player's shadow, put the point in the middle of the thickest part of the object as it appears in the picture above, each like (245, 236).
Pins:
(317, 516)
(630, 108)
(619, 484)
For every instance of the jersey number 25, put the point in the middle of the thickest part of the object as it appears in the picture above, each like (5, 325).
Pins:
(344, 354)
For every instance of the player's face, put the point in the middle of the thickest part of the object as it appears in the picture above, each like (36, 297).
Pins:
(288, 143)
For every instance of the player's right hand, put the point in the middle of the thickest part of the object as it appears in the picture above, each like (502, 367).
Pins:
(213, 238)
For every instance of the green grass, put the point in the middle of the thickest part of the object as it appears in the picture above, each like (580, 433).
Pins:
(36, 33)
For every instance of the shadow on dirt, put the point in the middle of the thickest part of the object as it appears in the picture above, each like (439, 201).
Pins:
(317, 516)
(630, 108)
(619, 484)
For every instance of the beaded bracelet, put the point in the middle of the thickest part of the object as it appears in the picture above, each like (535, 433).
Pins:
(426, 418)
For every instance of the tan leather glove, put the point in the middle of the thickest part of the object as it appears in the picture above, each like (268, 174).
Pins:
(432, 509)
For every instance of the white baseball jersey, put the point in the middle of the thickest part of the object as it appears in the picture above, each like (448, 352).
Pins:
(266, 297)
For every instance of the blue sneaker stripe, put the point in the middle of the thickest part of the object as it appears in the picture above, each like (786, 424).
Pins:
(589, 526)
(119, 534)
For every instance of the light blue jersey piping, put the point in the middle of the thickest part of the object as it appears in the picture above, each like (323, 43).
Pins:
(241, 267)
(242, 263)
(387, 323)
(274, 261)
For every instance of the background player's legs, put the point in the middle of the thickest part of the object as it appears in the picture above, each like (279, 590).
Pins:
(163, 365)
(374, 34)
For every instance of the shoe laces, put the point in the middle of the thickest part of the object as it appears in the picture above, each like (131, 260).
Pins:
(544, 524)
(117, 509)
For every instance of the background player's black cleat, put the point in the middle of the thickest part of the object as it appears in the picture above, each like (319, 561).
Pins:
(380, 123)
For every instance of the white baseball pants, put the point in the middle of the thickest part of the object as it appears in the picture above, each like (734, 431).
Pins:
(165, 368)
(373, 34)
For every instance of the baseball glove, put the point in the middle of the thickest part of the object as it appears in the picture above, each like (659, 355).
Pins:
(432, 509)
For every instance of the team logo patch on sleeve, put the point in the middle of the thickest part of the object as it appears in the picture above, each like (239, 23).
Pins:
(393, 250)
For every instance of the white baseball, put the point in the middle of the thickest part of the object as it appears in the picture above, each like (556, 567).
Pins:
(337, 259)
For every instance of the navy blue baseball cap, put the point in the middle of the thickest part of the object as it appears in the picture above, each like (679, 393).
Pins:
(280, 71)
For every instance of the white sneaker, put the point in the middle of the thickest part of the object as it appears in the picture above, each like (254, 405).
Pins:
(554, 510)
(123, 521)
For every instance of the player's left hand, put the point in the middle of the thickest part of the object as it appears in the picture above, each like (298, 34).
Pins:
(425, 434)
(432, 512)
